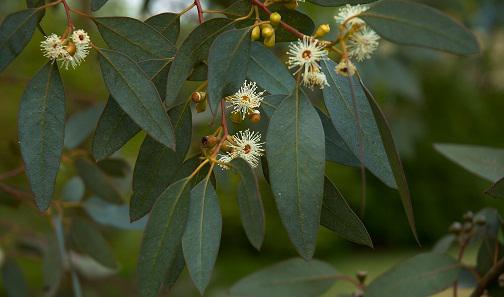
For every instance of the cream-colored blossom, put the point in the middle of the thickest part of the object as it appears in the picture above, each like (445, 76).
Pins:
(246, 100)
(306, 54)
(315, 79)
(348, 14)
(246, 145)
(345, 68)
(362, 44)
(52, 47)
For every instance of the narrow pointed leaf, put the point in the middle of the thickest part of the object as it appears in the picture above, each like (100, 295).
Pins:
(13, 280)
(15, 33)
(411, 23)
(116, 167)
(295, 147)
(52, 267)
(136, 94)
(340, 218)
(497, 189)
(444, 244)
(96, 181)
(162, 237)
(202, 236)
(41, 127)
(97, 4)
(113, 215)
(250, 203)
(167, 24)
(80, 125)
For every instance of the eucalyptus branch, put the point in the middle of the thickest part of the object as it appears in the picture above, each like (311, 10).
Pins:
(286, 26)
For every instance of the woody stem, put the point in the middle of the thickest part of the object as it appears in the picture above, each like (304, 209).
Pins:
(200, 11)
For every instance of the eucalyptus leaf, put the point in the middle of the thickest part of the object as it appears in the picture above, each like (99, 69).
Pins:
(13, 279)
(167, 24)
(295, 148)
(96, 181)
(97, 4)
(411, 23)
(80, 125)
(444, 244)
(113, 215)
(73, 190)
(294, 18)
(115, 167)
(497, 189)
(175, 269)
(41, 125)
(52, 267)
(76, 286)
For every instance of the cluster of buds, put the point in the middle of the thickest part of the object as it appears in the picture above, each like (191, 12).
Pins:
(200, 98)
(267, 30)
(69, 51)
(465, 229)
(245, 103)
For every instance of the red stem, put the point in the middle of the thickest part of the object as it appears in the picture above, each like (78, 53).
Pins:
(67, 11)
(283, 24)
(200, 11)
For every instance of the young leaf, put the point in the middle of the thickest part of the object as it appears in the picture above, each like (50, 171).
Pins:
(193, 51)
(340, 218)
(410, 23)
(52, 266)
(393, 158)
(291, 278)
(202, 235)
(89, 240)
(13, 279)
(136, 94)
(250, 203)
(227, 64)
(485, 162)
(268, 72)
(497, 189)
(97, 4)
(97, 181)
(115, 167)
(167, 24)
(420, 276)
(362, 134)
(339, 2)
(162, 237)
(296, 160)
(112, 215)
(15, 33)
(73, 190)
(80, 125)
(41, 131)
(134, 38)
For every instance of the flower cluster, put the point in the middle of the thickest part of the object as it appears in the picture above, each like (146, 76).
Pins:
(246, 145)
(305, 55)
(246, 100)
(70, 51)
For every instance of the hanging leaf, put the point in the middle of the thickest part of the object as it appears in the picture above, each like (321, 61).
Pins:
(202, 235)
(112, 215)
(339, 2)
(340, 218)
(296, 162)
(52, 266)
(410, 23)
(162, 237)
(291, 278)
(80, 125)
(497, 189)
(89, 240)
(175, 269)
(167, 24)
(15, 33)
(268, 72)
(97, 4)
(421, 276)
(13, 279)
(96, 181)
(485, 162)
(250, 203)
(181, 117)
(136, 94)
(73, 190)
(193, 51)
(41, 127)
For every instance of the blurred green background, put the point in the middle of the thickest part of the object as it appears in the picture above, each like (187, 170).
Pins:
(428, 97)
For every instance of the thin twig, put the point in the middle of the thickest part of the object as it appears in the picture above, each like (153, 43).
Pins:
(489, 278)
(200, 11)
(283, 24)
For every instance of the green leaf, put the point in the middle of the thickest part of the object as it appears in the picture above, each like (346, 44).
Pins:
(295, 150)
(202, 235)
(250, 203)
(175, 269)
(340, 218)
(182, 123)
(268, 71)
(13, 280)
(97, 4)
(489, 252)
(167, 24)
(239, 8)
(97, 181)
(34, 3)
(340, 105)
(80, 125)
(162, 237)
(89, 240)
(15, 33)
(52, 266)
(134, 38)
(444, 244)
(339, 2)
(292, 278)
(136, 94)
(420, 276)
(394, 159)
(485, 162)
(115, 167)
(193, 51)
(295, 19)
(112, 215)
(227, 64)
(497, 189)
(411, 23)
(41, 125)
(76, 286)
(73, 190)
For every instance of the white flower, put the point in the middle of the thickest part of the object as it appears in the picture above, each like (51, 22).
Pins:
(347, 14)
(345, 68)
(315, 79)
(362, 44)
(246, 145)
(305, 54)
(80, 54)
(52, 47)
(80, 37)
(247, 99)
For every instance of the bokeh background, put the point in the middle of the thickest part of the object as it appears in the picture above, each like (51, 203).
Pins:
(428, 97)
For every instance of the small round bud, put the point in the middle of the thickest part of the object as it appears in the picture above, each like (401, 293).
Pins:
(201, 106)
(361, 276)
(256, 33)
(468, 226)
(480, 220)
(209, 141)
(455, 228)
(270, 41)
(267, 31)
(501, 280)
(71, 48)
(255, 116)
(198, 97)
(236, 117)
(275, 18)
(468, 216)
(322, 30)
